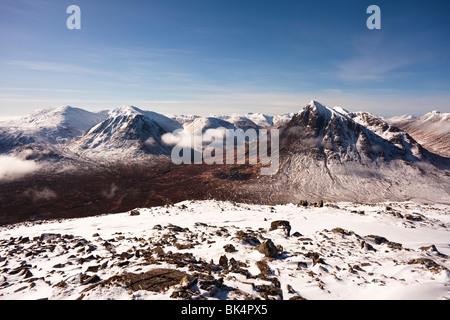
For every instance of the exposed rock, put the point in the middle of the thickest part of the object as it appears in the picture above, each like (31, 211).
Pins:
(188, 281)
(126, 255)
(413, 217)
(267, 290)
(297, 297)
(134, 212)
(223, 262)
(50, 236)
(367, 246)
(283, 224)
(378, 239)
(340, 231)
(90, 280)
(429, 264)
(248, 237)
(229, 248)
(302, 203)
(174, 228)
(263, 267)
(268, 249)
(315, 258)
(154, 280)
(431, 248)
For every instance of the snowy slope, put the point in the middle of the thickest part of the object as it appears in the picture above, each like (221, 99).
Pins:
(201, 124)
(127, 132)
(432, 131)
(325, 153)
(49, 126)
(220, 250)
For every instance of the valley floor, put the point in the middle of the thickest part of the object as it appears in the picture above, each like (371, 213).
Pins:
(226, 250)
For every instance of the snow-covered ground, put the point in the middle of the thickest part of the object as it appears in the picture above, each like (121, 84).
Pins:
(220, 250)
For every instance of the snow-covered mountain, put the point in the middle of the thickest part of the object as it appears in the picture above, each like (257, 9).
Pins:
(432, 130)
(336, 135)
(200, 124)
(257, 120)
(241, 121)
(126, 132)
(325, 151)
(334, 154)
(48, 126)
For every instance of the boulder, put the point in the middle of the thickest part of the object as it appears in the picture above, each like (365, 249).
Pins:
(268, 249)
(283, 224)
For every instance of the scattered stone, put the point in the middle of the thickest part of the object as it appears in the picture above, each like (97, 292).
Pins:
(93, 268)
(184, 246)
(302, 203)
(413, 217)
(249, 238)
(90, 280)
(431, 248)
(297, 297)
(27, 273)
(283, 224)
(229, 248)
(267, 290)
(155, 280)
(126, 255)
(134, 213)
(62, 284)
(50, 236)
(223, 262)
(188, 281)
(340, 231)
(263, 267)
(367, 246)
(268, 249)
(174, 228)
(429, 264)
(378, 239)
(290, 289)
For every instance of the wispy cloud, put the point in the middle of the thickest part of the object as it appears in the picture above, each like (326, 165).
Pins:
(377, 59)
(48, 66)
(12, 168)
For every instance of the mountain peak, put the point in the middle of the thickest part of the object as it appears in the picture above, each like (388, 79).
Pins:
(126, 110)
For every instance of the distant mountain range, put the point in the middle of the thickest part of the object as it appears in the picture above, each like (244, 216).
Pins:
(325, 153)
(432, 130)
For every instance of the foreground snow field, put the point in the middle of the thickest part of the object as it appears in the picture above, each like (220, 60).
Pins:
(221, 250)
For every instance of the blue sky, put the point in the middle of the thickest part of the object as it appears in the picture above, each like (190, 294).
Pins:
(225, 56)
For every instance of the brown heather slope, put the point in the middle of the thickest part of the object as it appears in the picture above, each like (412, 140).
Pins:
(71, 195)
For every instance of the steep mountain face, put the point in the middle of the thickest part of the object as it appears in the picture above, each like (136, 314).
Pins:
(432, 131)
(128, 131)
(329, 153)
(335, 135)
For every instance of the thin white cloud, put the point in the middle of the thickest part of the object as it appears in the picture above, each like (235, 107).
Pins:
(376, 59)
(12, 168)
